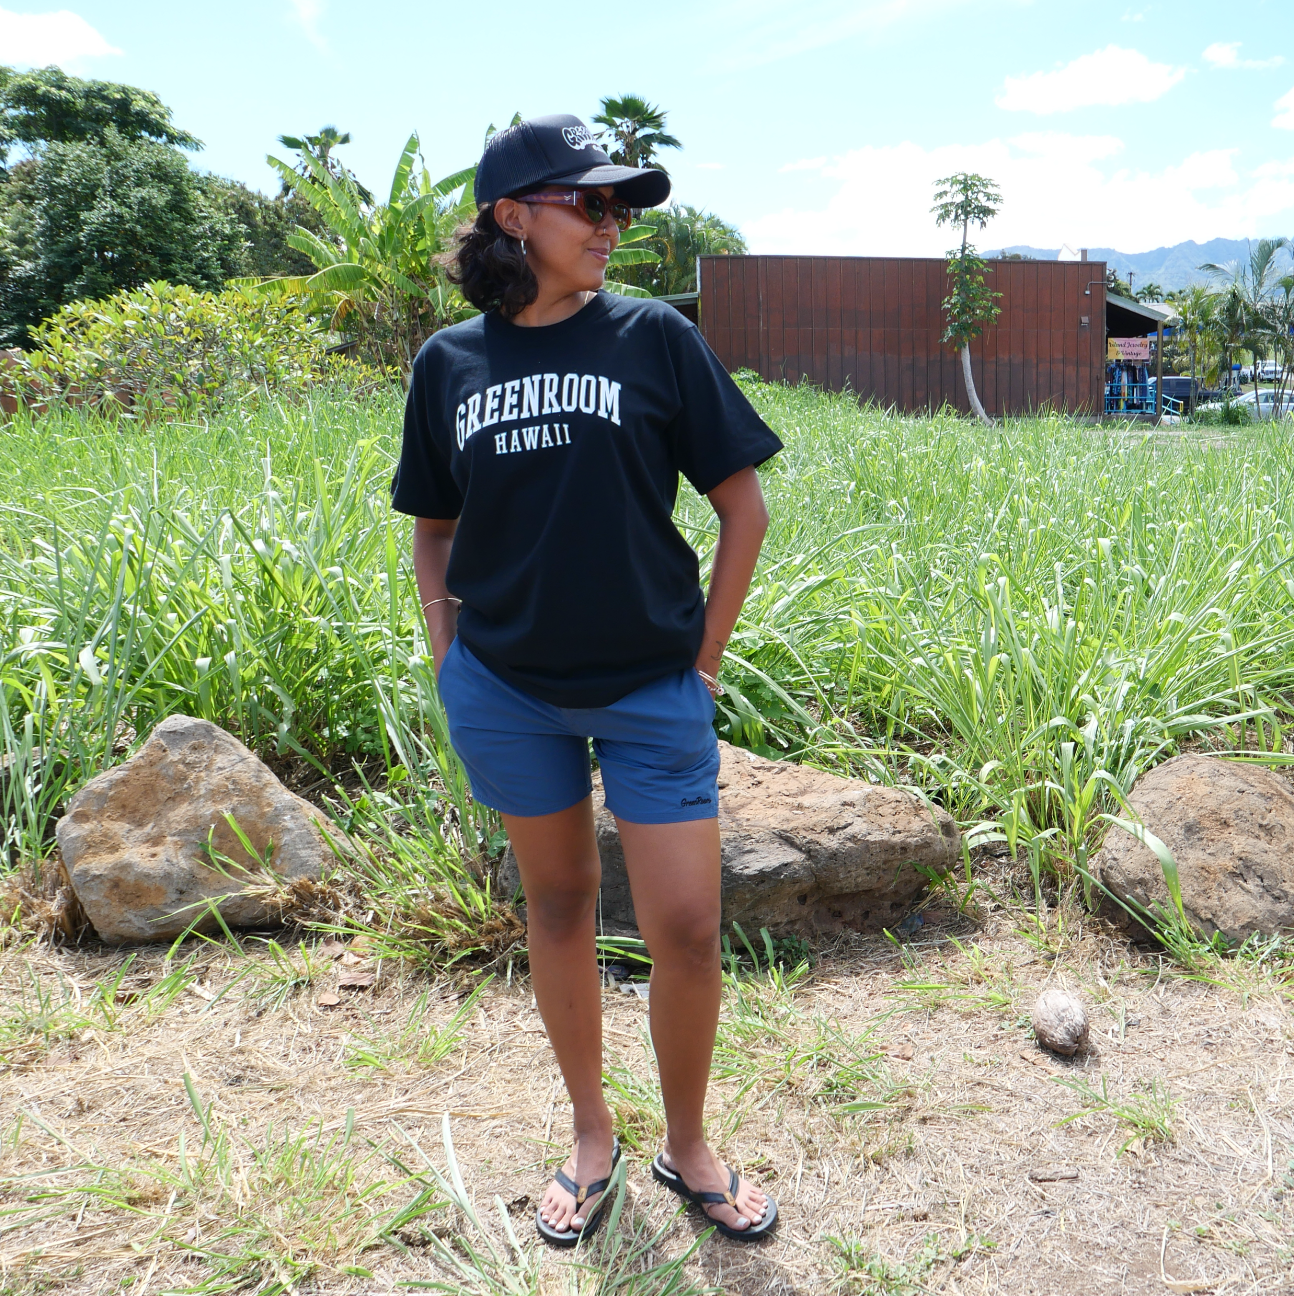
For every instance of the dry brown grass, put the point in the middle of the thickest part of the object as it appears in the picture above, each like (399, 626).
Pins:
(960, 1179)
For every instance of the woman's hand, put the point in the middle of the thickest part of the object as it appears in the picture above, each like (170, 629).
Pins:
(743, 519)
(712, 684)
(432, 540)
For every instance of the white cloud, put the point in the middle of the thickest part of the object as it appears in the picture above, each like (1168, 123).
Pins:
(37, 40)
(1226, 54)
(307, 13)
(1057, 188)
(1109, 77)
(1223, 55)
(1284, 119)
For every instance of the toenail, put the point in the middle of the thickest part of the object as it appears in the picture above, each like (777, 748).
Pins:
(742, 1221)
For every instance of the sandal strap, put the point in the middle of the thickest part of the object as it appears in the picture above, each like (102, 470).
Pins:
(728, 1198)
(581, 1192)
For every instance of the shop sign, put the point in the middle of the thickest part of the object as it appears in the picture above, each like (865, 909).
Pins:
(1136, 349)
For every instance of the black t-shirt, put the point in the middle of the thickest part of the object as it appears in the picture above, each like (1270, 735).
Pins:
(559, 449)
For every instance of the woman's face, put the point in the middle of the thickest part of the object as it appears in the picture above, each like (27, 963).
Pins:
(566, 253)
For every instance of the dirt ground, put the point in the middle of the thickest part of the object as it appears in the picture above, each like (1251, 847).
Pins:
(284, 1160)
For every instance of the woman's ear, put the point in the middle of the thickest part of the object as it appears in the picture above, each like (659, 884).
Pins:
(509, 216)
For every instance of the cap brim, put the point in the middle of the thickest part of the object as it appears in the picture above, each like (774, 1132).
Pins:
(639, 187)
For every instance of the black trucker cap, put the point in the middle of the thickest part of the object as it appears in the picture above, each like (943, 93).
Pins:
(559, 150)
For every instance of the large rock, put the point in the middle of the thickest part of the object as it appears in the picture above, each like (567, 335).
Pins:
(802, 851)
(1230, 827)
(135, 838)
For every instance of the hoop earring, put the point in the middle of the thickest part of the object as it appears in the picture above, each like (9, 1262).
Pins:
(523, 249)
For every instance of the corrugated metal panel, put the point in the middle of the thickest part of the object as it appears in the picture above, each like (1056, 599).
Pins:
(873, 325)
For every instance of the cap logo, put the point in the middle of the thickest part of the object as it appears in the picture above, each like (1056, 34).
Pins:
(578, 137)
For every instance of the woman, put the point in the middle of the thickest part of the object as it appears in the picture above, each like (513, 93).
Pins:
(542, 445)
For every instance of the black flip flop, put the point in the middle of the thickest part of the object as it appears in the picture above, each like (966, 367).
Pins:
(674, 1182)
(569, 1237)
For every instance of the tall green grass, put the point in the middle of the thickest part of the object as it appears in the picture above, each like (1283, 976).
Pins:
(1006, 616)
(1017, 620)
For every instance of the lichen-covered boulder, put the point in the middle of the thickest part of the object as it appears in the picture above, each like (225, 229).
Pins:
(135, 838)
(1230, 828)
(802, 850)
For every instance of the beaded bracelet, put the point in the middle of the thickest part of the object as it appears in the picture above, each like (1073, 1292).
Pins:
(716, 689)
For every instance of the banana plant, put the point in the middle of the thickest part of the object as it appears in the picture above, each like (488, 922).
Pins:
(626, 254)
(380, 275)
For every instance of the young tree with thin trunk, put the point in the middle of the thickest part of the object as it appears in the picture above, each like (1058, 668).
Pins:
(967, 199)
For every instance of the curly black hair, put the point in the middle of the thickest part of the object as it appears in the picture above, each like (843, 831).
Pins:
(491, 269)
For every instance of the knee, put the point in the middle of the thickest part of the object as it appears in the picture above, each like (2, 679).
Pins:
(561, 907)
(688, 940)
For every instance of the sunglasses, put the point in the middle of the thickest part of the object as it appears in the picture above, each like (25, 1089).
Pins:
(591, 205)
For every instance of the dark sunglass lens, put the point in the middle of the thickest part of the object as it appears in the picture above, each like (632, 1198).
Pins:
(622, 213)
(595, 207)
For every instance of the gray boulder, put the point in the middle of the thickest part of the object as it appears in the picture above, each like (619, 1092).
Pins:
(135, 838)
(802, 851)
(1230, 827)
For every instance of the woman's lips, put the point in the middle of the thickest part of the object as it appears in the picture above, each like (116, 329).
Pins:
(602, 254)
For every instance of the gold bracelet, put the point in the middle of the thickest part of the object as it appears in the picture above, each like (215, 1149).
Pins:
(716, 689)
(447, 599)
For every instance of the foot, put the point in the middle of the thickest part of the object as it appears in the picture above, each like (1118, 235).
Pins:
(590, 1162)
(702, 1171)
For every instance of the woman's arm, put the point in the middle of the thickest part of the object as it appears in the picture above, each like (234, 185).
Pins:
(743, 519)
(432, 540)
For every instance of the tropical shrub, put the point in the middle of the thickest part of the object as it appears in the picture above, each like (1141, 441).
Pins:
(676, 236)
(170, 346)
(382, 275)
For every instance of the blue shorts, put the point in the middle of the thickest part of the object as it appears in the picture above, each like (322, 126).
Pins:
(656, 747)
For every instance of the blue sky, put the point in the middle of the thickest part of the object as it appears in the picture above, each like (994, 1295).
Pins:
(816, 126)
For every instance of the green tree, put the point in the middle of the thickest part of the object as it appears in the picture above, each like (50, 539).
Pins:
(87, 218)
(1151, 292)
(381, 273)
(1278, 326)
(322, 148)
(267, 225)
(967, 199)
(48, 106)
(679, 234)
(1195, 307)
(1120, 287)
(635, 130)
(1249, 285)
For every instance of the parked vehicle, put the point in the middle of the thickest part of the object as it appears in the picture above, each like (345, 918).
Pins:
(1178, 397)
(1258, 405)
(1267, 371)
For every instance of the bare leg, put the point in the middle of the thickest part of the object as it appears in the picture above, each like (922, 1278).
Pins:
(674, 872)
(561, 872)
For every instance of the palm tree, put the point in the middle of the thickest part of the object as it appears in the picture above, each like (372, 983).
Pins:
(1250, 286)
(1278, 327)
(636, 129)
(1195, 309)
(320, 146)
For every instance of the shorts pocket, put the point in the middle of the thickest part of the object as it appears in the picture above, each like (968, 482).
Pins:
(712, 705)
(444, 682)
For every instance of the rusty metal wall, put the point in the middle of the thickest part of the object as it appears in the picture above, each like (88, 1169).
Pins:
(873, 324)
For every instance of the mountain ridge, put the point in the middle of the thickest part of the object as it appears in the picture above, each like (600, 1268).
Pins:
(1170, 267)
